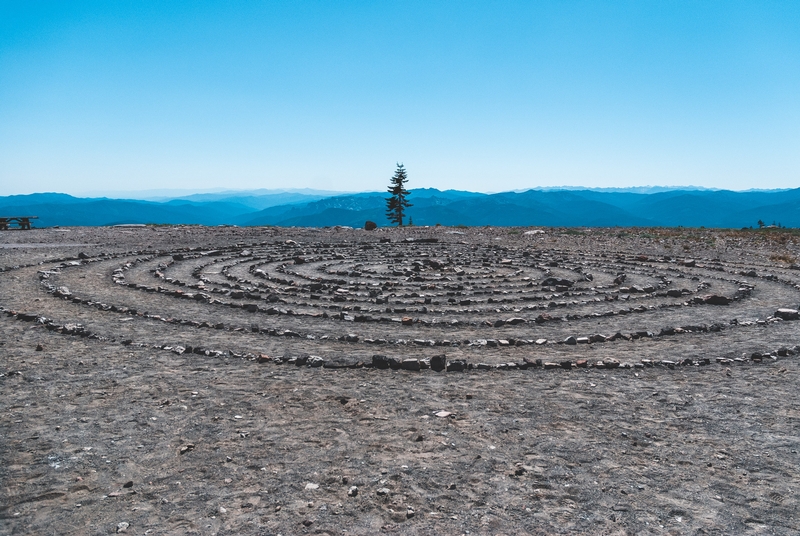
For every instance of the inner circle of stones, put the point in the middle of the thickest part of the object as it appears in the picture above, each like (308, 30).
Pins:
(423, 285)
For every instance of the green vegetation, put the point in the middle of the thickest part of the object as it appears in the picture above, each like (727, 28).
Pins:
(397, 204)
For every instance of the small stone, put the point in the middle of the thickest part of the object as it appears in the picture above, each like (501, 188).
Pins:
(128, 484)
(715, 299)
(442, 413)
(380, 362)
(353, 491)
(439, 362)
(39, 347)
(186, 448)
(787, 314)
(222, 510)
(122, 526)
(457, 365)
(570, 340)
(411, 364)
(407, 321)
(315, 361)
(383, 492)
(410, 513)
(312, 486)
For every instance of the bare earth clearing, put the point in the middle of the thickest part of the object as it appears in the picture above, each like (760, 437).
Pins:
(188, 380)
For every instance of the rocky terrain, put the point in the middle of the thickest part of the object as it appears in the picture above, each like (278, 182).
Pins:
(191, 380)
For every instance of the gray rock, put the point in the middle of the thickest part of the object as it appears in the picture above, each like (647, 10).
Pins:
(439, 362)
(315, 361)
(457, 365)
(410, 364)
(787, 314)
(380, 362)
(556, 282)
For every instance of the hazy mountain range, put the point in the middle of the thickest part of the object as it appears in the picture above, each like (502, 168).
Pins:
(647, 206)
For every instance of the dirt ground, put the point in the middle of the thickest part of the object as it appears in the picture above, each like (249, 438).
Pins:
(190, 380)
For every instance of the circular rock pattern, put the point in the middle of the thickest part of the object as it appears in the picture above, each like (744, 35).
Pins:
(428, 299)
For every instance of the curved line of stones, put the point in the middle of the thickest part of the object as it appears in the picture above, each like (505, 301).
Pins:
(351, 338)
(367, 318)
(118, 277)
(261, 273)
(437, 363)
(451, 312)
(77, 329)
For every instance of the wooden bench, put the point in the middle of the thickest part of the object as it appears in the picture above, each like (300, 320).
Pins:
(22, 222)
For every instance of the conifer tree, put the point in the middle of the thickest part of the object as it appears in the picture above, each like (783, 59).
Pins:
(397, 204)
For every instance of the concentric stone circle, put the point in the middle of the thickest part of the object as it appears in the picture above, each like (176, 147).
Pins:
(433, 298)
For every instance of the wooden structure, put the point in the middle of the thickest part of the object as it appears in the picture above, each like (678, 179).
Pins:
(22, 222)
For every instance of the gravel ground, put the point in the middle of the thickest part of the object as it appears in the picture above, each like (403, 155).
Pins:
(189, 380)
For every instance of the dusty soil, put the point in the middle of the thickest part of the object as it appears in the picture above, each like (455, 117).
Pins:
(188, 380)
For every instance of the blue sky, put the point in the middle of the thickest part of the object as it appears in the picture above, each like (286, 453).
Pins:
(483, 96)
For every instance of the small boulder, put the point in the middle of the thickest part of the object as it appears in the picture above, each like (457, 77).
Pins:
(380, 362)
(457, 365)
(370, 225)
(557, 282)
(787, 314)
(439, 362)
(411, 364)
(714, 299)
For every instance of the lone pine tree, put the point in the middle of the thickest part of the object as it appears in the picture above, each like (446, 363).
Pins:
(398, 202)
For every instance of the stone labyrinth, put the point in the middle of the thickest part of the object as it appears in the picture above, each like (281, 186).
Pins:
(431, 300)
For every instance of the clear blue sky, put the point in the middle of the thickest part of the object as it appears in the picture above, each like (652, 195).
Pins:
(484, 96)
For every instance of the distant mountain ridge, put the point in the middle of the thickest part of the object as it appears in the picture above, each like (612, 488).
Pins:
(540, 207)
